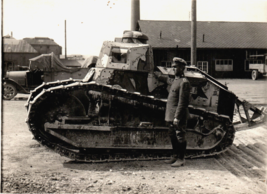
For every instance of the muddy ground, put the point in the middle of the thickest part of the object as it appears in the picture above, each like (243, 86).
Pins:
(28, 167)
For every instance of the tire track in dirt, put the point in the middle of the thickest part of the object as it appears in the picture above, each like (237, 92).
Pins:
(246, 158)
(256, 149)
(243, 169)
(262, 147)
(254, 155)
(223, 161)
(243, 162)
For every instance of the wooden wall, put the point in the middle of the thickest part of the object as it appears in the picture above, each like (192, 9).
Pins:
(238, 57)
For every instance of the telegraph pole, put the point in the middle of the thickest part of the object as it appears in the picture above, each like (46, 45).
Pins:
(65, 40)
(194, 32)
(135, 13)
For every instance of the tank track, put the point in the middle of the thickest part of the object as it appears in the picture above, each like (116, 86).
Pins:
(40, 93)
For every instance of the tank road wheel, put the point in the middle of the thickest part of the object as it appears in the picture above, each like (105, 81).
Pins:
(53, 108)
(10, 91)
(254, 74)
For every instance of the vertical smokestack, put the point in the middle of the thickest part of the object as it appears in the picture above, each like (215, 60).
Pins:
(194, 32)
(11, 34)
(135, 14)
(65, 40)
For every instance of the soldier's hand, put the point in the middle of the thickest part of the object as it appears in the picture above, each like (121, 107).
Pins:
(175, 121)
(157, 74)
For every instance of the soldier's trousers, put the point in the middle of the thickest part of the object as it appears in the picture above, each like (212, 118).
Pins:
(177, 136)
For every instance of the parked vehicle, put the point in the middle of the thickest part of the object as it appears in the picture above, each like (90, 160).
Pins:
(44, 68)
(258, 69)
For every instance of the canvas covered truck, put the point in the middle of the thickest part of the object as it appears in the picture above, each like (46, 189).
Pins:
(258, 66)
(43, 68)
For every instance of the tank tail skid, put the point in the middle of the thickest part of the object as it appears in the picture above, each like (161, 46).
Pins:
(248, 114)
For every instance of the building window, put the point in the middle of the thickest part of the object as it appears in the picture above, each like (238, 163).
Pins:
(250, 54)
(203, 65)
(251, 61)
(166, 63)
(223, 65)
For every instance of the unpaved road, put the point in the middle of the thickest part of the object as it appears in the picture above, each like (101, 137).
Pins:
(254, 92)
(28, 167)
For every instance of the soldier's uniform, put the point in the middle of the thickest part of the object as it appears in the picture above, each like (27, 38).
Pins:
(177, 107)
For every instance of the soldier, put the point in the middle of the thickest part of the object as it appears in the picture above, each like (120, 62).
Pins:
(177, 112)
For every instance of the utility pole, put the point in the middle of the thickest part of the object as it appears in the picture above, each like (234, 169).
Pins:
(194, 32)
(135, 14)
(13, 69)
(65, 40)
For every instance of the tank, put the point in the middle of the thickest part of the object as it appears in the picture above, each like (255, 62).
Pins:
(116, 113)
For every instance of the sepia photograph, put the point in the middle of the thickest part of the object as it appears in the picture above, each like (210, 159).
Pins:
(134, 96)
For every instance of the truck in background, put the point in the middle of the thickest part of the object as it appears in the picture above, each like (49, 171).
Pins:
(258, 69)
(43, 68)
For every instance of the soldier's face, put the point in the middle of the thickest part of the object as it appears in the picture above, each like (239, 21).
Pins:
(178, 70)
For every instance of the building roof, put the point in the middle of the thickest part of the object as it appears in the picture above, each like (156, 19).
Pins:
(8, 36)
(11, 45)
(40, 41)
(209, 34)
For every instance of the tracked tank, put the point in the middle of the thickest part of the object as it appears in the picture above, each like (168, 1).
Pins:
(116, 113)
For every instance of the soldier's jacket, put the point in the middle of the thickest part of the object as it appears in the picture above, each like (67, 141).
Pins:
(178, 100)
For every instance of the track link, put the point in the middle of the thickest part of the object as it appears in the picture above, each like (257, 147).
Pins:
(45, 90)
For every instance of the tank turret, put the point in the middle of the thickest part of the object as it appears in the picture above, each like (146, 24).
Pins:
(134, 37)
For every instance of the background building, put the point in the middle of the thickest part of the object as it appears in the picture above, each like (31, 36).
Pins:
(16, 53)
(223, 48)
(44, 45)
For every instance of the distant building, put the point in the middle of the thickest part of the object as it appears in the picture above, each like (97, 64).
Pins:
(44, 45)
(223, 48)
(16, 54)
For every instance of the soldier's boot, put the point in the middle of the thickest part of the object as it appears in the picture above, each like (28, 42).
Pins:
(175, 147)
(172, 160)
(180, 161)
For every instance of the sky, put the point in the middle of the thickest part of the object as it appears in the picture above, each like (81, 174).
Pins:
(90, 22)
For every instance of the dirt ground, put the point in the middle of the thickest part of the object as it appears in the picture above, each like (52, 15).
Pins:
(254, 92)
(28, 167)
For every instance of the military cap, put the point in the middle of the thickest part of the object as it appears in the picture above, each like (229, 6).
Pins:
(177, 61)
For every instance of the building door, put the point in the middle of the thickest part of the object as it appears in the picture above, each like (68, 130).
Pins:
(203, 65)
